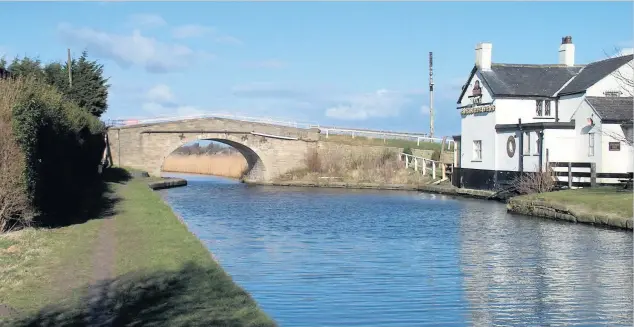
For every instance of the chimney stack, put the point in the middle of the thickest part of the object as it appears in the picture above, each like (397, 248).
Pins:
(483, 56)
(567, 52)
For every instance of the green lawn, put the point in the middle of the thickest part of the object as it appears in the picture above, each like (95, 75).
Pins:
(605, 200)
(161, 272)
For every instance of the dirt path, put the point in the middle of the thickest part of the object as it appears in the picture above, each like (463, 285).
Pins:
(103, 270)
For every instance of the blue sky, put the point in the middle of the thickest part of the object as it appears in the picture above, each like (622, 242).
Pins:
(346, 64)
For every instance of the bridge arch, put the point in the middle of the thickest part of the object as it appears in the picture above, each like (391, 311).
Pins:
(256, 169)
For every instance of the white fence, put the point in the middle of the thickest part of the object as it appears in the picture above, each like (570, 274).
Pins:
(420, 163)
(325, 130)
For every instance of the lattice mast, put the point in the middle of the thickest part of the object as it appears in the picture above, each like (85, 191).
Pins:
(431, 94)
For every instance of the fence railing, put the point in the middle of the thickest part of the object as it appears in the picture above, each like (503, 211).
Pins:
(385, 135)
(422, 164)
(584, 174)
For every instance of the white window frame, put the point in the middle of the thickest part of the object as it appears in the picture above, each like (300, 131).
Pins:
(477, 150)
(590, 144)
(536, 150)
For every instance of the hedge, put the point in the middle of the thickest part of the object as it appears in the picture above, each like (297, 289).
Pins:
(62, 145)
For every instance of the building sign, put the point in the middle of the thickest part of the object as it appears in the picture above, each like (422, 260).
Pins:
(476, 94)
(477, 110)
(614, 146)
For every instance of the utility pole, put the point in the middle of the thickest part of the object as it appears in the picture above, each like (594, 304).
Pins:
(431, 95)
(70, 74)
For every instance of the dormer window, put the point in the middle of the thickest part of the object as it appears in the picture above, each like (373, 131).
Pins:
(612, 93)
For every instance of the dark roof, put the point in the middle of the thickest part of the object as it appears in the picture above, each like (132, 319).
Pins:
(519, 80)
(594, 72)
(613, 109)
(527, 80)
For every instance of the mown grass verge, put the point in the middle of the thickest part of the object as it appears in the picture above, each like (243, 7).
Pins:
(162, 273)
(601, 205)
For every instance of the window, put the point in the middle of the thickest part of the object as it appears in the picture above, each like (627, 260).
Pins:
(612, 93)
(538, 107)
(527, 143)
(477, 150)
(547, 108)
(590, 144)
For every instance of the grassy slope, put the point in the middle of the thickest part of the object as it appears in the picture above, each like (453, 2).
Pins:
(162, 273)
(603, 199)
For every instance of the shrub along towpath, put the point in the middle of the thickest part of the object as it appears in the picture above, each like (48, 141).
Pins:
(607, 206)
(134, 264)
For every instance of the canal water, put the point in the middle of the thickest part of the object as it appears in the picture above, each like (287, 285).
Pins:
(329, 257)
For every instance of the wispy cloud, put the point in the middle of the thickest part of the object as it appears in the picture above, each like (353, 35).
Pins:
(134, 49)
(160, 101)
(197, 31)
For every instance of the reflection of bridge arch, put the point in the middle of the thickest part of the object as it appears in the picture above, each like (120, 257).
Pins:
(270, 150)
(256, 169)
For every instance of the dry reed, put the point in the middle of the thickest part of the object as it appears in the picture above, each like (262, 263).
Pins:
(232, 165)
(358, 167)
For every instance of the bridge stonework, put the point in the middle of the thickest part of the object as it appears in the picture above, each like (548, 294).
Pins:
(276, 151)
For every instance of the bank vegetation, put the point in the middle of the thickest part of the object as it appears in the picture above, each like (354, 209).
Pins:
(355, 165)
(51, 140)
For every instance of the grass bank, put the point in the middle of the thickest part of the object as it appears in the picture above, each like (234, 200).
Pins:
(602, 206)
(135, 264)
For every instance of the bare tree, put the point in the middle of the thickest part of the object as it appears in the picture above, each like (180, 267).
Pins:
(625, 77)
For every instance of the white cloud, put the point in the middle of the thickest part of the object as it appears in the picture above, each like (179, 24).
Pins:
(146, 20)
(134, 49)
(160, 101)
(160, 93)
(625, 51)
(382, 103)
(195, 30)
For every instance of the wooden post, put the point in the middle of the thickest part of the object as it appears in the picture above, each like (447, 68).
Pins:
(418, 141)
(406, 161)
(424, 166)
(433, 170)
(593, 174)
(569, 174)
(326, 133)
(415, 164)
(70, 75)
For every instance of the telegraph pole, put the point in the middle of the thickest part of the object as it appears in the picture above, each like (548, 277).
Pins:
(431, 95)
(70, 75)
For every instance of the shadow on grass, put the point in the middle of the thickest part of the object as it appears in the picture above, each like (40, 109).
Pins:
(98, 201)
(191, 296)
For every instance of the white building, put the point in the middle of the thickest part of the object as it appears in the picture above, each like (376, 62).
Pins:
(518, 117)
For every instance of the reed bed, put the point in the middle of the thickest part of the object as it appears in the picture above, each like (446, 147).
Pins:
(225, 165)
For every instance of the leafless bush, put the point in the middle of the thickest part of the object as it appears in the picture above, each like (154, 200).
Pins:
(537, 182)
(313, 161)
(14, 204)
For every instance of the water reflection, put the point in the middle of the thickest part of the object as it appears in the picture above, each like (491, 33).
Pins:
(524, 271)
(317, 257)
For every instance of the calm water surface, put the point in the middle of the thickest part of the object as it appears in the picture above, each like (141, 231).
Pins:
(326, 257)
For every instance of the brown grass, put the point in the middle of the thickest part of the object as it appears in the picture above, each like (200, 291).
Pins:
(14, 205)
(339, 164)
(233, 165)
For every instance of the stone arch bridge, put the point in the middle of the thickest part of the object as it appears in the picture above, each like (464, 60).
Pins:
(270, 150)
